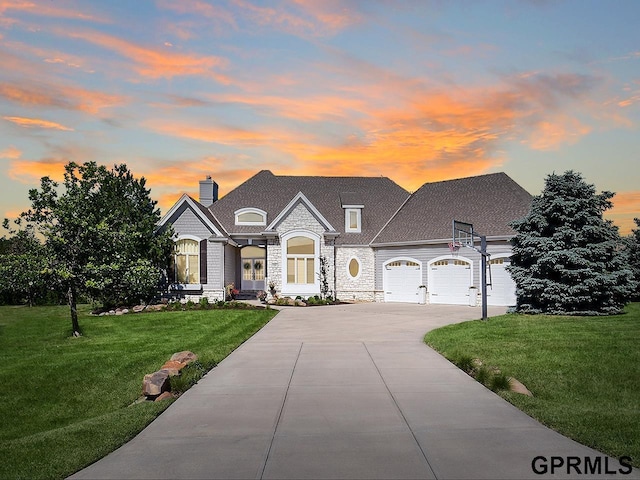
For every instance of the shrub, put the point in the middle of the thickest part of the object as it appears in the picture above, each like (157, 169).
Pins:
(190, 305)
(204, 303)
(465, 363)
(499, 381)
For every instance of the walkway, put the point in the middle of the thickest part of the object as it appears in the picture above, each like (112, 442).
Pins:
(342, 392)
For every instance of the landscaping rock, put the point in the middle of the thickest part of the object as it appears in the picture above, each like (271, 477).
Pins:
(173, 367)
(518, 387)
(163, 396)
(155, 383)
(185, 357)
(138, 308)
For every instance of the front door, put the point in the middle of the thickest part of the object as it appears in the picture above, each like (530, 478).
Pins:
(253, 264)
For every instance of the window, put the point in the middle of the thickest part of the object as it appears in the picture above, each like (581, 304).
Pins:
(496, 261)
(251, 216)
(352, 220)
(353, 268)
(187, 261)
(301, 260)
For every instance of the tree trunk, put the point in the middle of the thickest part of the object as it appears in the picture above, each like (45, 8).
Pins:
(71, 296)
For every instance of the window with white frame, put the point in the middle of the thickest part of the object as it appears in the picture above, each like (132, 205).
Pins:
(251, 216)
(300, 260)
(187, 261)
(352, 220)
(353, 267)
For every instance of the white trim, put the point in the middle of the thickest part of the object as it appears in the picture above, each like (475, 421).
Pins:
(300, 197)
(385, 281)
(302, 289)
(186, 198)
(187, 236)
(448, 257)
(250, 210)
(351, 277)
(347, 223)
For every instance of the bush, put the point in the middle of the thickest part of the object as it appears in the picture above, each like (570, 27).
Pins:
(204, 303)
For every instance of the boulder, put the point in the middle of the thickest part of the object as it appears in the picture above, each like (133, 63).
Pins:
(138, 308)
(185, 357)
(163, 396)
(173, 367)
(518, 387)
(155, 383)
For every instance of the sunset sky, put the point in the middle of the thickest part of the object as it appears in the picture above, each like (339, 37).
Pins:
(414, 90)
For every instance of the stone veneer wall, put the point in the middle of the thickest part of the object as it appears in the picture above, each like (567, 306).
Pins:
(362, 287)
(299, 219)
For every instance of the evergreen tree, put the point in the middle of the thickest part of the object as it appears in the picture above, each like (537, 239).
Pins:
(633, 256)
(568, 260)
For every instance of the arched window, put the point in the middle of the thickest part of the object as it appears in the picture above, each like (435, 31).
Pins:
(300, 260)
(251, 216)
(187, 261)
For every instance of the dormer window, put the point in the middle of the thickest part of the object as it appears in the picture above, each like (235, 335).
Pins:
(352, 220)
(251, 216)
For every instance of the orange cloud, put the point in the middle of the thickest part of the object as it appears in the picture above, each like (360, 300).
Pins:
(31, 171)
(553, 133)
(46, 9)
(155, 62)
(10, 153)
(65, 97)
(202, 9)
(626, 207)
(37, 123)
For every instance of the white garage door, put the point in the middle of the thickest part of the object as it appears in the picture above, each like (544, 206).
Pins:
(449, 281)
(503, 289)
(401, 281)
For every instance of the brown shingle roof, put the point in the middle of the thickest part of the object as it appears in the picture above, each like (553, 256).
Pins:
(489, 202)
(380, 196)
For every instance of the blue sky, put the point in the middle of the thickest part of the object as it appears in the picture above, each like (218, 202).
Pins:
(416, 90)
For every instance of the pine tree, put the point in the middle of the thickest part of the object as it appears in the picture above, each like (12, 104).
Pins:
(633, 256)
(568, 260)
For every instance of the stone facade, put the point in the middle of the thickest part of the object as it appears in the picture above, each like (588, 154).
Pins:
(360, 288)
(302, 221)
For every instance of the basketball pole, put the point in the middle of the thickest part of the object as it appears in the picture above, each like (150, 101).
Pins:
(483, 266)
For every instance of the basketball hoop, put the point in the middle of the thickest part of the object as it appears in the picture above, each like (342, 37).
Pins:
(454, 247)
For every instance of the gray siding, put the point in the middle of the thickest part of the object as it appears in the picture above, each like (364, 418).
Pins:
(425, 253)
(215, 251)
(185, 222)
(230, 254)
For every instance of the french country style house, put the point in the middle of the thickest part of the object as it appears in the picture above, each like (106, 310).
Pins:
(377, 241)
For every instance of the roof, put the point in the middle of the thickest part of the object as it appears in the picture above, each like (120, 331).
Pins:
(380, 196)
(490, 202)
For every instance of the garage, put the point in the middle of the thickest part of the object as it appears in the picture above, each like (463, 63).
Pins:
(502, 291)
(402, 279)
(449, 281)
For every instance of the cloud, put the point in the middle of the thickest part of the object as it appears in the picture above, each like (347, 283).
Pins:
(37, 123)
(47, 9)
(10, 153)
(31, 171)
(215, 12)
(551, 134)
(64, 97)
(155, 63)
(626, 207)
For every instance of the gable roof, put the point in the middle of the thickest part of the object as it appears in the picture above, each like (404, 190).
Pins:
(297, 200)
(489, 202)
(380, 196)
(206, 217)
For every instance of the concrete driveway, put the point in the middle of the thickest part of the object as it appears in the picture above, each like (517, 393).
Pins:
(346, 391)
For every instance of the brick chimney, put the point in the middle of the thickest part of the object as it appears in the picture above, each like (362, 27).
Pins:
(208, 191)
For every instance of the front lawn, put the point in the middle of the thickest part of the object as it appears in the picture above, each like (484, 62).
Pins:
(584, 372)
(66, 402)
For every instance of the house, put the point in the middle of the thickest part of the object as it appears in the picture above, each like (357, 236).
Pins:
(378, 241)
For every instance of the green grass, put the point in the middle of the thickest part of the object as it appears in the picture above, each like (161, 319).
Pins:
(584, 372)
(66, 402)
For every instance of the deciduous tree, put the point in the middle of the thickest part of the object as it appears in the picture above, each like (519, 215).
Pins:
(99, 232)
